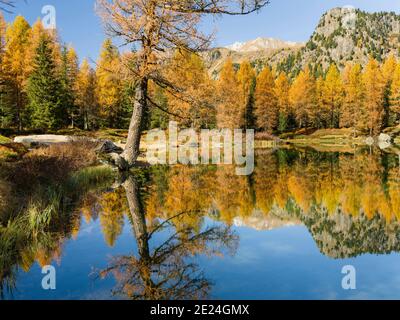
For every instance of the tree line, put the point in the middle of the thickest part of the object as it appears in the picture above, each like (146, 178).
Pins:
(366, 99)
(43, 86)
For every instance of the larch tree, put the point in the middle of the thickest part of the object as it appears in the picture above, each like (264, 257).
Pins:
(303, 98)
(156, 27)
(374, 97)
(388, 68)
(3, 107)
(353, 102)
(395, 95)
(247, 77)
(332, 94)
(86, 94)
(322, 112)
(187, 70)
(109, 85)
(266, 106)
(15, 70)
(282, 88)
(230, 110)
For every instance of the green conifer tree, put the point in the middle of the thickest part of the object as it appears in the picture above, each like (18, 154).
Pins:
(44, 88)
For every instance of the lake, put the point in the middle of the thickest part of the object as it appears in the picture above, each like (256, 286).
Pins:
(285, 232)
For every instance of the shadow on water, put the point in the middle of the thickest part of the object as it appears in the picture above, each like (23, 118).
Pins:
(349, 202)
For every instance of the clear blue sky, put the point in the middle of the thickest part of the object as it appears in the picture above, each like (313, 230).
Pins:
(292, 20)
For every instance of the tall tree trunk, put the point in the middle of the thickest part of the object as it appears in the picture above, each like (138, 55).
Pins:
(132, 148)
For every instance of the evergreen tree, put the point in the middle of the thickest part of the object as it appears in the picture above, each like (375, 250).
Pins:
(44, 89)
(68, 77)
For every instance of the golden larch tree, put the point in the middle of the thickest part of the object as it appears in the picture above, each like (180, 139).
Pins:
(15, 67)
(353, 103)
(85, 94)
(395, 94)
(246, 77)
(192, 105)
(303, 98)
(282, 88)
(374, 97)
(109, 86)
(230, 110)
(266, 103)
(332, 94)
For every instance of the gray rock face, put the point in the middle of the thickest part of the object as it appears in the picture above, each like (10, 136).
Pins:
(347, 34)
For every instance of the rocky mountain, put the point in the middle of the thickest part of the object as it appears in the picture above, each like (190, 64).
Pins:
(342, 34)
(347, 34)
(262, 44)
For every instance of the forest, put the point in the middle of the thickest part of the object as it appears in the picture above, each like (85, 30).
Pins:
(44, 87)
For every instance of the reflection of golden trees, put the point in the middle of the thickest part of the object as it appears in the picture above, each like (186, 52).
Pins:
(351, 184)
(113, 206)
(233, 194)
(165, 270)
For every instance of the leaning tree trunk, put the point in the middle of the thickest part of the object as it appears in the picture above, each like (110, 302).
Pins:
(138, 219)
(132, 148)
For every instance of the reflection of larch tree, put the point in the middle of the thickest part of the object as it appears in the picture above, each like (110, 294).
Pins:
(165, 272)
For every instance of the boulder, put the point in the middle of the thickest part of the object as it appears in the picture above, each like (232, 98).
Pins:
(107, 147)
(42, 140)
(384, 141)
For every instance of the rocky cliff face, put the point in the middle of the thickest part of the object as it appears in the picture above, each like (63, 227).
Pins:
(342, 35)
(347, 34)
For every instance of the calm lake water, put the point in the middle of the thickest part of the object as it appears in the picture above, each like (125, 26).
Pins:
(203, 232)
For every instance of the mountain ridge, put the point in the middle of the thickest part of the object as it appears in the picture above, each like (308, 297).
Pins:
(343, 34)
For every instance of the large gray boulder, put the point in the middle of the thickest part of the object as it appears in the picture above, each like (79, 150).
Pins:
(43, 139)
(384, 141)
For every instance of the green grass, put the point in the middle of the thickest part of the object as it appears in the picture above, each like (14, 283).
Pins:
(4, 139)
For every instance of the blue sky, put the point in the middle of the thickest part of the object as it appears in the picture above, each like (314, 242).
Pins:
(292, 20)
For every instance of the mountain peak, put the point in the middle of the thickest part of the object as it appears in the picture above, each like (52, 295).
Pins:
(261, 44)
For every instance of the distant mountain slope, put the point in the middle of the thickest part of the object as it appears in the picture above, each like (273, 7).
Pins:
(261, 44)
(346, 34)
(343, 34)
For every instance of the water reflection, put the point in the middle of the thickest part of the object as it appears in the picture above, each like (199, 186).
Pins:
(166, 271)
(349, 202)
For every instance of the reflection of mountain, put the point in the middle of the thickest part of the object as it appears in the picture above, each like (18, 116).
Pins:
(344, 236)
(260, 222)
